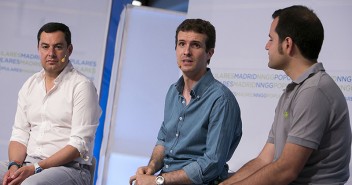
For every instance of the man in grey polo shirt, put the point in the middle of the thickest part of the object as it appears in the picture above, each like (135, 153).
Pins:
(310, 139)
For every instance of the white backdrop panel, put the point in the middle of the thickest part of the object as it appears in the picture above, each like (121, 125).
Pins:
(20, 21)
(144, 67)
(240, 60)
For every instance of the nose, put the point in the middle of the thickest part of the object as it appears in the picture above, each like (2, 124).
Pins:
(187, 50)
(267, 45)
(51, 53)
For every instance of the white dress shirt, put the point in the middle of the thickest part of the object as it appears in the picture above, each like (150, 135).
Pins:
(67, 115)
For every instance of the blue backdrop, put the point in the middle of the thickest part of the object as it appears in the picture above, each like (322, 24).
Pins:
(116, 9)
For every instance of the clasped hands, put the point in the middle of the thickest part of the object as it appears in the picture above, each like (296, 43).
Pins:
(17, 175)
(143, 176)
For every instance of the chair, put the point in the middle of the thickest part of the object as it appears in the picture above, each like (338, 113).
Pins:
(92, 170)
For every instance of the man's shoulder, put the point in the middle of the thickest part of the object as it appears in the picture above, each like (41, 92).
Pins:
(217, 85)
(78, 76)
(36, 77)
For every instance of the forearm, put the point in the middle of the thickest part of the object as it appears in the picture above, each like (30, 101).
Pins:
(248, 169)
(157, 159)
(285, 169)
(176, 177)
(17, 152)
(63, 156)
(272, 174)
(282, 171)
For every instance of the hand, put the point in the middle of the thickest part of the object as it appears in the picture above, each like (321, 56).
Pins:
(7, 177)
(132, 179)
(142, 179)
(144, 170)
(20, 175)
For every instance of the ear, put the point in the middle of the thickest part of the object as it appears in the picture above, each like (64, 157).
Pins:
(70, 49)
(210, 53)
(288, 45)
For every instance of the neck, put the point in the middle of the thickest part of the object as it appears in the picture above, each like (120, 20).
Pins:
(298, 70)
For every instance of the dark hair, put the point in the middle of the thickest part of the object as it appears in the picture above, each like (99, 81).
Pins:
(53, 27)
(303, 26)
(198, 26)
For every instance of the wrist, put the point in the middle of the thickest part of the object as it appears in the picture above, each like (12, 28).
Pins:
(14, 163)
(160, 180)
(37, 168)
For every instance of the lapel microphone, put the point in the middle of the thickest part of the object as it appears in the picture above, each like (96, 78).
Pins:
(63, 59)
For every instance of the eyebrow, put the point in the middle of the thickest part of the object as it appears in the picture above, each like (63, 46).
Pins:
(192, 41)
(57, 44)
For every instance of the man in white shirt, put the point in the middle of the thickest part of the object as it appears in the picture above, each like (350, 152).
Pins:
(56, 120)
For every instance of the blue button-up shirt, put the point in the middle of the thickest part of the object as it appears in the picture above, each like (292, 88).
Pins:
(202, 136)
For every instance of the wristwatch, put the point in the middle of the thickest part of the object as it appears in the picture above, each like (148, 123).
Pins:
(12, 163)
(159, 180)
(37, 168)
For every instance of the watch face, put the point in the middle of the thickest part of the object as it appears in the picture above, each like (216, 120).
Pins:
(159, 180)
(39, 169)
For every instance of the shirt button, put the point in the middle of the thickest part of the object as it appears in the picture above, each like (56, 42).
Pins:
(180, 118)
(177, 135)
(166, 166)
(170, 151)
(183, 102)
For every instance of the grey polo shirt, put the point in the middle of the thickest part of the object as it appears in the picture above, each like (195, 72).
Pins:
(312, 112)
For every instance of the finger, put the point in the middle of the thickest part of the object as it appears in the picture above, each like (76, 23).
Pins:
(132, 179)
(132, 182)
(140, 171)
(6, 178)
(15, 175)
(149, 171)
(15, 181)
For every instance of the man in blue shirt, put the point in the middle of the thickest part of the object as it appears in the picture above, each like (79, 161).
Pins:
(202, 124)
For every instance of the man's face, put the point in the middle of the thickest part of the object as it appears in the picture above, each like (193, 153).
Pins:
(52, 49)
(191, 53)
(275, 50)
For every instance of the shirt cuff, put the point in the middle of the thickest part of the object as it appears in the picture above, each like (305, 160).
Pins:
(81, 146)
(194, 172)
(159, 142)
(19, 136)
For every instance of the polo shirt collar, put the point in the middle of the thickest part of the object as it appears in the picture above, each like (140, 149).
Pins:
(315, 68)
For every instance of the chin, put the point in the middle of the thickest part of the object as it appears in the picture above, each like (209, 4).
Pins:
(271, 66)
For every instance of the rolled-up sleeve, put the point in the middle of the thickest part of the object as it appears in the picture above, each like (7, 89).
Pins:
(21, 127)
(85, 119)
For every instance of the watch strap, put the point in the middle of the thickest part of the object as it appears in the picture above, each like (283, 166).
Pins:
(37, 168)
(14, 163)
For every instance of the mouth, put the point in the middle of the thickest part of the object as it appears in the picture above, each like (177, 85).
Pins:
(52, 61)
(187, 61)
